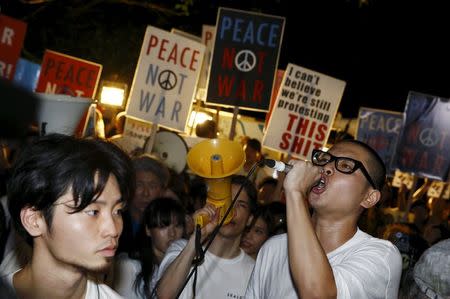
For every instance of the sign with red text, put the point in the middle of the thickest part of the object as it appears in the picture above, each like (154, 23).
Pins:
(208, 36)
(304, 112)
(245, 59)
(380, 129)
(165, 79)
(64, 74)
(12, 34)
(423, 145)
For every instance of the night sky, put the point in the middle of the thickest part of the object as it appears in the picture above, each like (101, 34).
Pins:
(382, 49)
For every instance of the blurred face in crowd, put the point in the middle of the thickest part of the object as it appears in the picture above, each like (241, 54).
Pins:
(251, 157)
(265, 194)
(255, 237)
(148, 187)
(87, 239)
(162, 237)
(242, 216)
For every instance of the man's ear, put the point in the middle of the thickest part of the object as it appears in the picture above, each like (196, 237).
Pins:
(372, 197)
(33, 221)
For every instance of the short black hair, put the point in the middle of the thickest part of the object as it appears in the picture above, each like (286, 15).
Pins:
(249, 188)
(50, 166)
(254, 144)
(376, 167)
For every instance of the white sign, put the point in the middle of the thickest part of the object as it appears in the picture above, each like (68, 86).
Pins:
(208, 36)
(135, 135)
(304, 112)
(165, 79)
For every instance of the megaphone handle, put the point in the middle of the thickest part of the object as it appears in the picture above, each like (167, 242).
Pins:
(201, 220)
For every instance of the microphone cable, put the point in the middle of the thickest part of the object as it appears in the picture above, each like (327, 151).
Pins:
(201, 252)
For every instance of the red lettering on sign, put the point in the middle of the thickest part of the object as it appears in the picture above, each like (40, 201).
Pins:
(170, 52)
(243, 88)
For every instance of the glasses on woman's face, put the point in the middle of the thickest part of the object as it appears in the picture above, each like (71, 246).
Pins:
(342, 164)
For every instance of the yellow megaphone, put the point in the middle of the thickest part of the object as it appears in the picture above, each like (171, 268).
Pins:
(216, 160)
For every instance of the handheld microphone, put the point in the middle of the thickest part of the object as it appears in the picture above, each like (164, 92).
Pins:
(278, 165)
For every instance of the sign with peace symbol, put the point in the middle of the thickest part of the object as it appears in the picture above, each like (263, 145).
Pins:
(428, 137)
(245, 59)
(423, 144)
(167, 80)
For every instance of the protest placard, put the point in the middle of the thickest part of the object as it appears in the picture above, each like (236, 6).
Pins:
(245, 59)
(65, 74)
(425, 138)
(304, 112)
(380, 129)
(165, 79)
(12, 34)
(208, 36)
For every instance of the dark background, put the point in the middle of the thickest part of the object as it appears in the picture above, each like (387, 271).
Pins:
(382, 49)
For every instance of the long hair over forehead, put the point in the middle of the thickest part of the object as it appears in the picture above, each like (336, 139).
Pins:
(164, 211)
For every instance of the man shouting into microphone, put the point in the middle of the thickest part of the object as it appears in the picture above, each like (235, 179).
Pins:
(325, 255)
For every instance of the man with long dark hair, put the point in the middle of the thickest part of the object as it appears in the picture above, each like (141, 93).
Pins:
(66, 196)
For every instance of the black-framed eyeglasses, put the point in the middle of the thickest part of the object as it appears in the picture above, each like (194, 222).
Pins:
(342, 164)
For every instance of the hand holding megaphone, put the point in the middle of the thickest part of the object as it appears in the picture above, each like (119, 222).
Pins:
(208, 218)
(216, 160)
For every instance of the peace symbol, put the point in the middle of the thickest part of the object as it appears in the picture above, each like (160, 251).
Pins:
(167, 80)
(428, 137)
(245, 60)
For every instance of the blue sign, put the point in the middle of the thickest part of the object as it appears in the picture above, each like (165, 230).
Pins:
(380, 129)
(424, 143)
(27, 74)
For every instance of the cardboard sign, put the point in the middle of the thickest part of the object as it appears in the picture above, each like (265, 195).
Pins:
(380, 129)
(245, 59)
(165, 79)
(304, 112)
(12, 34)
(425, 139)
(438, 189)
(402, 178)
(208, 36)
(64, 74)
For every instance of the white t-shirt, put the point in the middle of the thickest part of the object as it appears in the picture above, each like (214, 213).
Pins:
(363, 267)
(125, 272)
(216, 277)
(93, 290)
(17, 252)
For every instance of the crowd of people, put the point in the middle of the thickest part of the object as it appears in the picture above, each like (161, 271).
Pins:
(80, 218)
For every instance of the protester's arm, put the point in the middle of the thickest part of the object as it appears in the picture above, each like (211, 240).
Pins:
(311, 272)
(174, 276)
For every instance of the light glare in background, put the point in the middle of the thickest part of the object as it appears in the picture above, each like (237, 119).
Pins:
(113, 96)
(198, 118)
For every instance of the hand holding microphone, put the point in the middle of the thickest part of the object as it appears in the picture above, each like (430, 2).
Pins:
(278, 165)
(305, 176)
